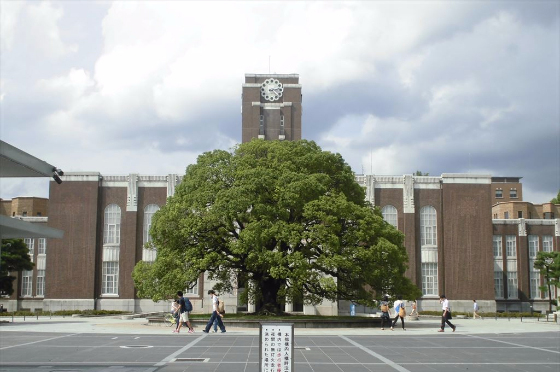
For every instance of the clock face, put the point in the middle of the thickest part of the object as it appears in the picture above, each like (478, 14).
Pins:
(271, 89)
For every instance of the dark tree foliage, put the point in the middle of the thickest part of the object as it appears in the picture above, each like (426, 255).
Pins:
(286, 216)
(15, 257)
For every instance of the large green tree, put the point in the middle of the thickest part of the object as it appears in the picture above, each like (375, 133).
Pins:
(556, 200)
(548, 264)
(14, 258)
(286, 216)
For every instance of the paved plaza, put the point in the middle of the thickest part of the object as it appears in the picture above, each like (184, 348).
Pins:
(116, 345)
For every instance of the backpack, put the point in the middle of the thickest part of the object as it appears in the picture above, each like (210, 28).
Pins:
(188, 305)
(221, 307)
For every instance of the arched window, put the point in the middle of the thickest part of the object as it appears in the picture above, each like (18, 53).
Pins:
(428, 226)
(149, 212)
(390, 215)
(148, 254)
(429, 257)
(112, 225)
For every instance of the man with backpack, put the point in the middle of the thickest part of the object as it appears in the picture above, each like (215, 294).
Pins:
(185, 307)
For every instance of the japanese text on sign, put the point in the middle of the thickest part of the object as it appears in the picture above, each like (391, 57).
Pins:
(276, 347)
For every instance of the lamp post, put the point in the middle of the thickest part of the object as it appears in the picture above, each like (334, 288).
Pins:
(548, 261)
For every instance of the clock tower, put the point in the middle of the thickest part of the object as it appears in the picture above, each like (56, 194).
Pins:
(271, 107)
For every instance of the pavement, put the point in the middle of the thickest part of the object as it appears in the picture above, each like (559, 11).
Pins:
(113, 344)
(117, 325)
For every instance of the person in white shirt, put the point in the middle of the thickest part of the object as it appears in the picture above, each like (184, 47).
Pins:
(475, 310)
(401, 313)
(446, 315)
(215, 314)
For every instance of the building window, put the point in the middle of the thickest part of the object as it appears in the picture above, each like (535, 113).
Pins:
(261, 125)
(41, 283)
(534, 283)
(42, 246)
(499, 284)
(511, 249)
(547, 243)
(533, 246)
(112, 230)
(428, 228)
(497, 246)
(30, 246)
(429, 278)
(148, 254)
(282, 124)
(24, 214)
(26, 283)
(499, 193)
(110, 277)
(512, 284)
(193, 290)
(548, 215)
(390, 215)
(506, 215)
(519, 214)
(513, 193)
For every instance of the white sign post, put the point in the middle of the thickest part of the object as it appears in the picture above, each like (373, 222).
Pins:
(276, 349)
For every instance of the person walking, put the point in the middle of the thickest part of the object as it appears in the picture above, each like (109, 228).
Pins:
(385, 312)
(446, 314)
(414, 310)
(475, 310)
(175, 312)
(400, 311)
(185, 307)
(215, 314)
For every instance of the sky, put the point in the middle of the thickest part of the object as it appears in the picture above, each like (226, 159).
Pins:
(395, 87)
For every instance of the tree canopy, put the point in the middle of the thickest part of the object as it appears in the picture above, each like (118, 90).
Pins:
(286, 216)
(556, 200)
(14, 258)
(548, 264)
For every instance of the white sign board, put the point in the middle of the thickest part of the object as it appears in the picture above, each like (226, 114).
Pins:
(276, 350)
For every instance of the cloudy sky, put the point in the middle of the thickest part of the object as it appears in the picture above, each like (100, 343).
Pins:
(394, 87)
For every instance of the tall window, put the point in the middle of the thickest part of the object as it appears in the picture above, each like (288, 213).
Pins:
(429, 255)
(497, 246)
(511, 250)
(42, 246)
(110, 278)
(547, 243)
(534, 274)
(112, 230)
(30, 246)
(148, 254)
(428, 228)
(429, 278)
(498, 283)
(512, 284)
(513, 193)
(111, 250)
(26, 283)
(40, 282)
(390, 215)
(499, 193)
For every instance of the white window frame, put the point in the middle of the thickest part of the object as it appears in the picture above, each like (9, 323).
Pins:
(112, 225)
(512, 285)
(547, 243)
(110, 273)
(511, 246)
(27, 283)
(534, 282)
(40, 283)
(390, 215)
(497, 246)
(30, 246)
(429, 278)
(428, 226)
(499, 284)
(192, 291)
(42, 249)
(148, 254)
(533, 246)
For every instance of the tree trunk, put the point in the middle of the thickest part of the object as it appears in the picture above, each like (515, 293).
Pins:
(270, 288)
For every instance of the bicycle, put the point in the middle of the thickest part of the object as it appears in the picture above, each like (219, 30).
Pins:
(169, 320)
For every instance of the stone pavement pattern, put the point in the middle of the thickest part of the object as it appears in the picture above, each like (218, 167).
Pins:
(116, 345)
